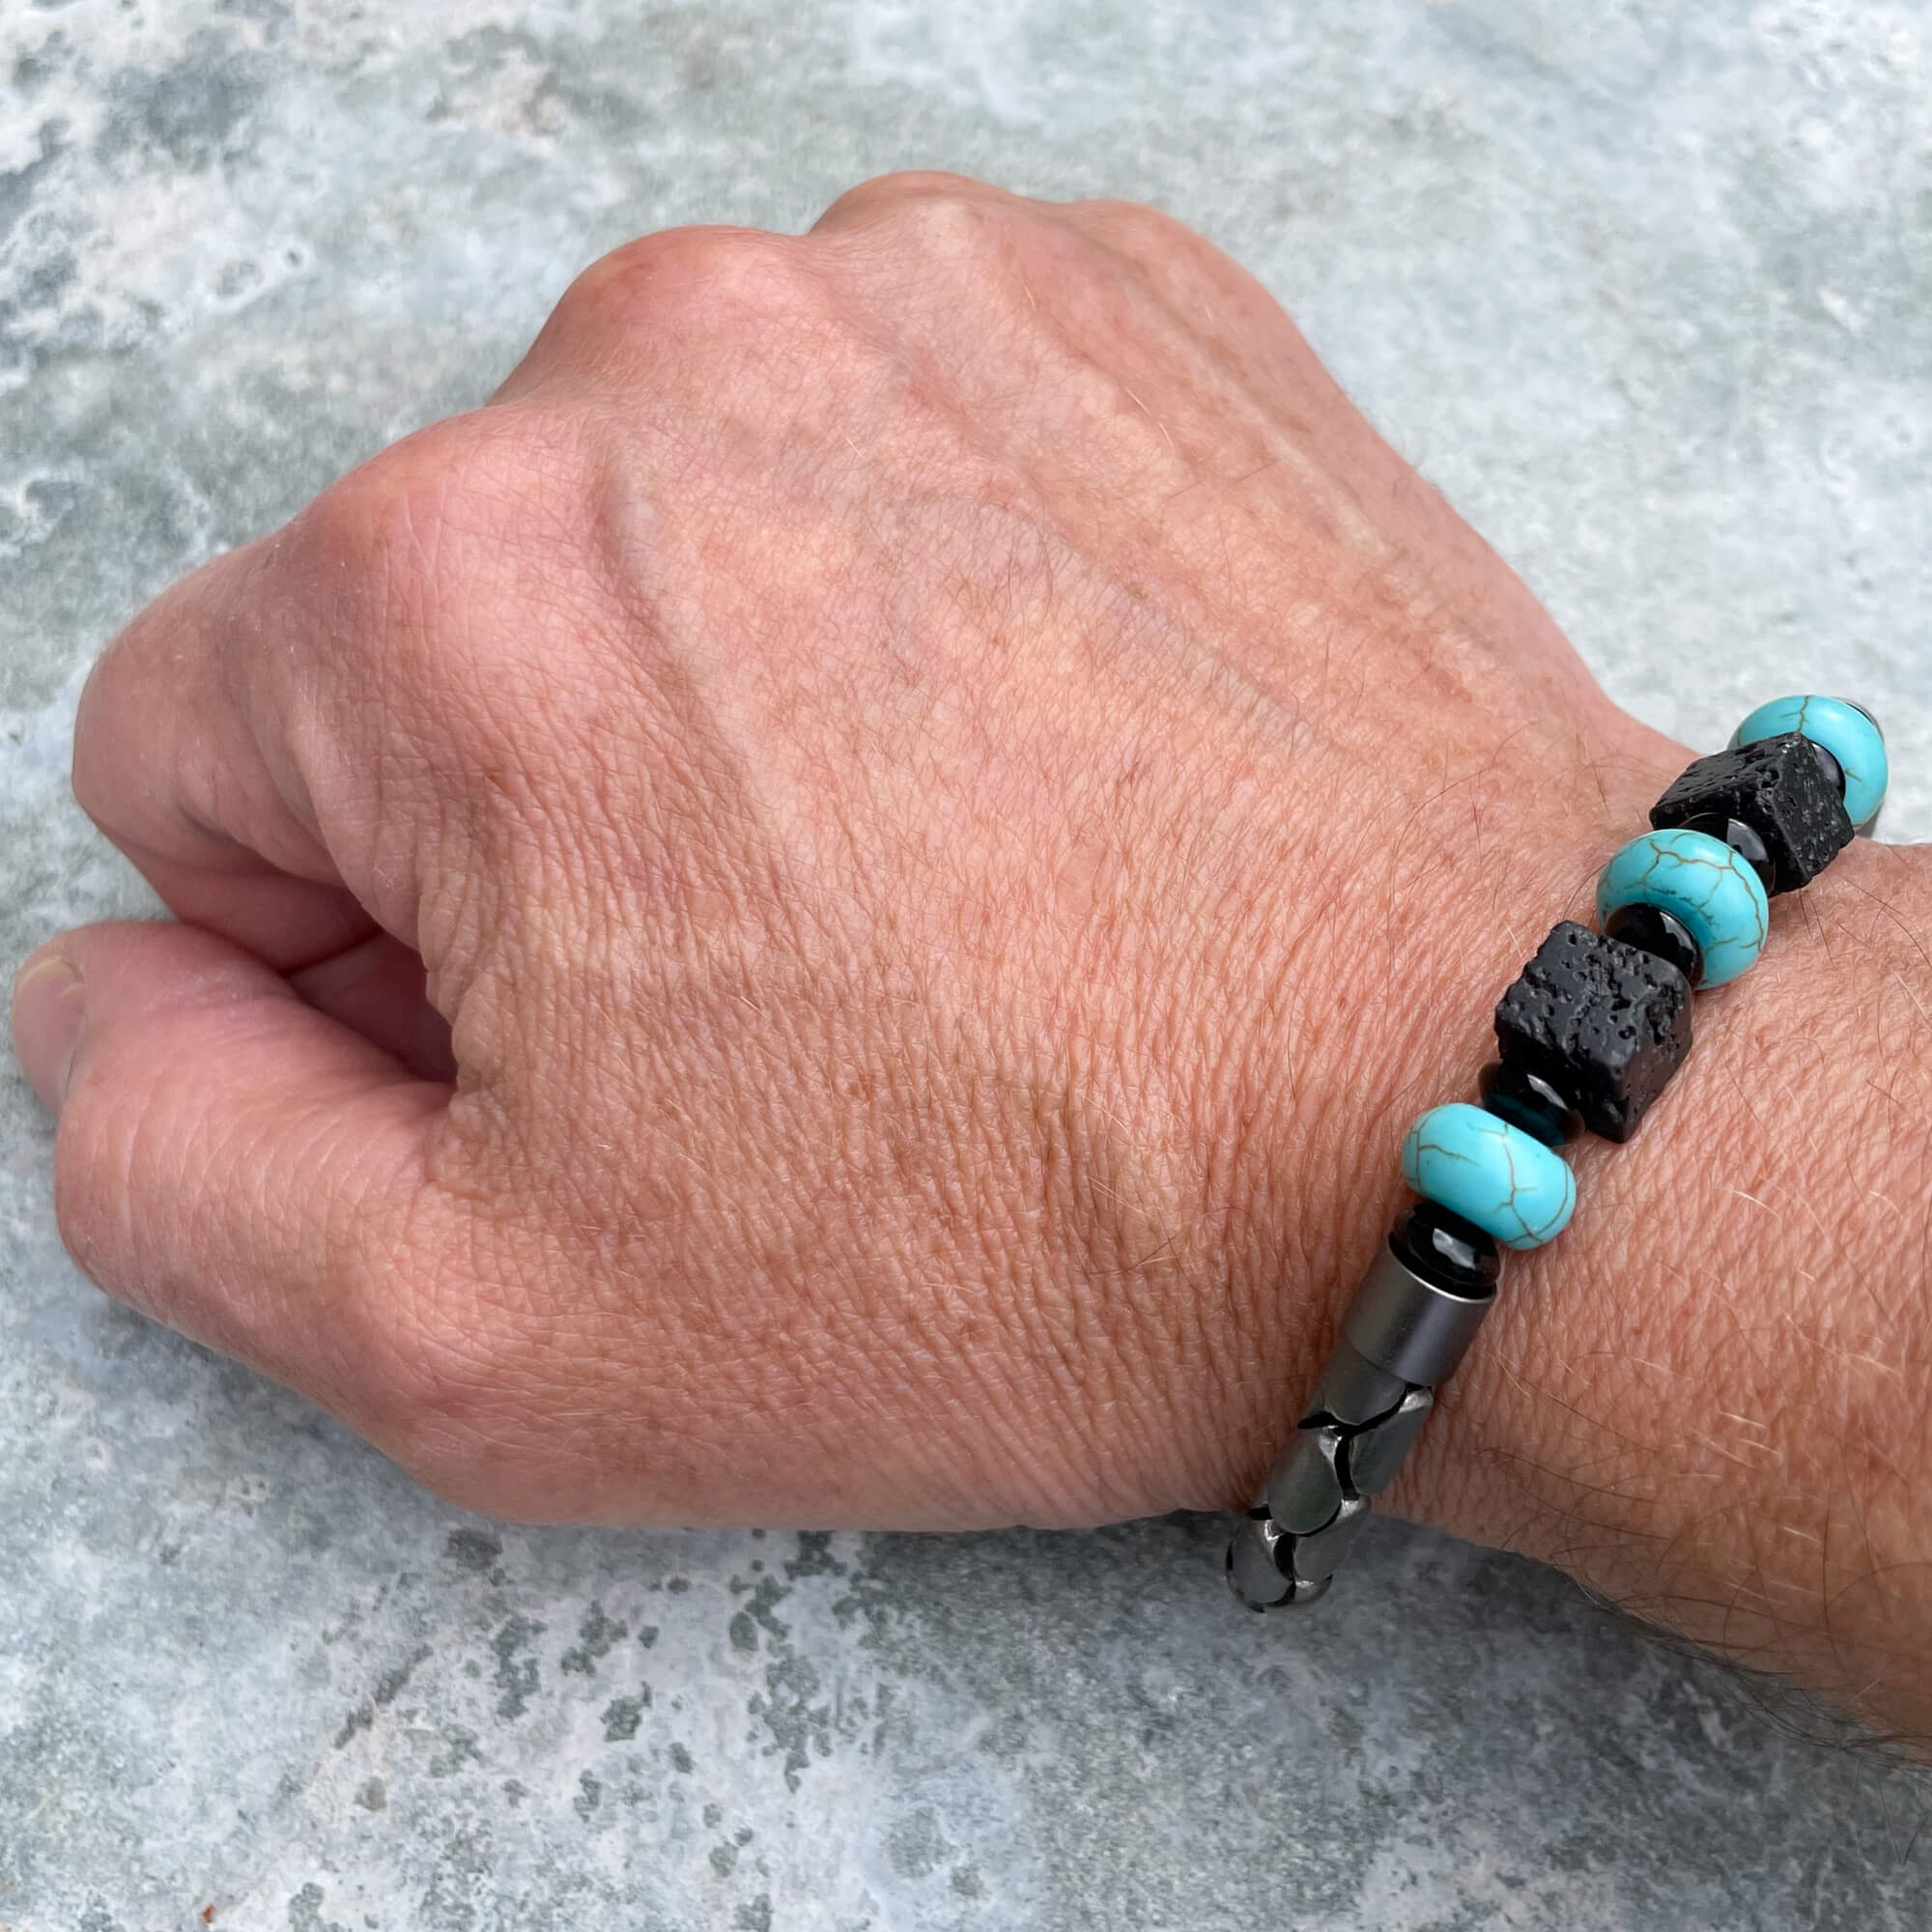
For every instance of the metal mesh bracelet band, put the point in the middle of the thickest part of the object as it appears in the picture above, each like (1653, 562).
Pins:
(1588, 1038)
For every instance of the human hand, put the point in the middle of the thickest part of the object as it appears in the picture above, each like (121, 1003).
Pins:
(831, 911)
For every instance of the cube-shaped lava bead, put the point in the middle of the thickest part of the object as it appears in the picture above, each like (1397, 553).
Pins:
(1605, 1023)
(1790, 796)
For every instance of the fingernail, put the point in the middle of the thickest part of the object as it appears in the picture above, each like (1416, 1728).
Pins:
(49, 1005)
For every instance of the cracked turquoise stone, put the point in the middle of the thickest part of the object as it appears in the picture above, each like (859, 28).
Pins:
(1709, 889)
(1849, 733)
(1510, 1186)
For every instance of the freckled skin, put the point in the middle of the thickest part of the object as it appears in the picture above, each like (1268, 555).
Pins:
(831, 914)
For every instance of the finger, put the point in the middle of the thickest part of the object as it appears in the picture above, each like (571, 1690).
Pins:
(170, 761)
(173, 767)
(275, 740)
(379, 989)
(228, 1159)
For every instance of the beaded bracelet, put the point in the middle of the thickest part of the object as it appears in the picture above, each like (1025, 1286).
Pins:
(1587, 1036)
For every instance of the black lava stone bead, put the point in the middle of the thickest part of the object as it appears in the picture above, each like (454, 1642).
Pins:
(1605, 1023)
(1781, 791)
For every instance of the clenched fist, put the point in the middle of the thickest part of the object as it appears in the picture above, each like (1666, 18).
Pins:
(831, 913)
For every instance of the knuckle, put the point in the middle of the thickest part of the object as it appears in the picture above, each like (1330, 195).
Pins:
(1153, 242)
(941, 242)
(680, 277)
(908, 191)
(99, 760)
(956, 227)
(175, 643)
(387, 520)
(396, 553)
(367, 545)
(1132, 224)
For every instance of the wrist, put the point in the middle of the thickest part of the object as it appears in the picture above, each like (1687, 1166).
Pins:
(1702, 1398)
(1373, 1007)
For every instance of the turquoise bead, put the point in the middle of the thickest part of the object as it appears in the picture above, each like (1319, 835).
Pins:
(1709, 889)
(1848, 733)
(1511, 1187)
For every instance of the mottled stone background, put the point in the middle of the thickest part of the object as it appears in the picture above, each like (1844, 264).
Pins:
(1646, 287)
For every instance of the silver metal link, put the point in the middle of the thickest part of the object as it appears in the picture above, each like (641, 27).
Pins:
(1306, 1594)
(1255, 1573)
(1400, 1339)
(1304, 1488)
(1375, 1453)
(1353, 1389)
(1252, 1571)
(1407, 1326)
(1314, 1559)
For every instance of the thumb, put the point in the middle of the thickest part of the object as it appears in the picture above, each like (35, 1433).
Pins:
(229, 1159)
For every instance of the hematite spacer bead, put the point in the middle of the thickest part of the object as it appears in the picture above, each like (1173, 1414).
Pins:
(1528, 1101)
(1605, 1022)
(1453, 1253)
(1778, 802)
(1652, 929)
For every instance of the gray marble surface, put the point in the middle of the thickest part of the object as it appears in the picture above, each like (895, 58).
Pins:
(1646, 287)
